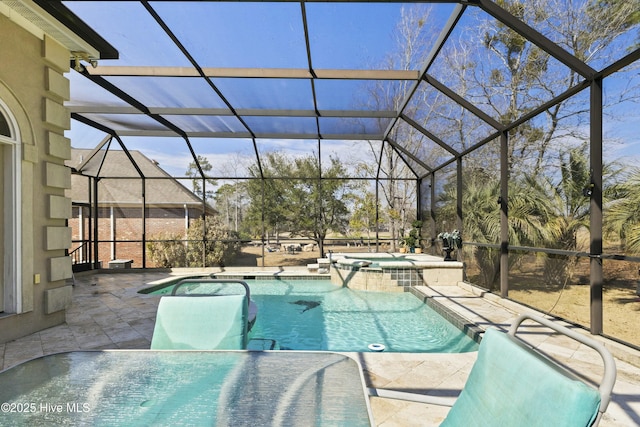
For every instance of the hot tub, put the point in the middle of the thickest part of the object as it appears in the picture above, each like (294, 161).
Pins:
(386, 271)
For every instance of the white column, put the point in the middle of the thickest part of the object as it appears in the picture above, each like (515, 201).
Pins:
(113, 232)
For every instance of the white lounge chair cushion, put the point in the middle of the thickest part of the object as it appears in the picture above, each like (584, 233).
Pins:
(509, 385)
(201, 323)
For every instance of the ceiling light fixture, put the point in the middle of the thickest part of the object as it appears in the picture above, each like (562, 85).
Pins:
(76, 57)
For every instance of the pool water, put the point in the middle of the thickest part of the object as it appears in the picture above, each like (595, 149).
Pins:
(318, 315)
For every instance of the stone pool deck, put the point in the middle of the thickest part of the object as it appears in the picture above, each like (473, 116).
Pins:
(108, 313)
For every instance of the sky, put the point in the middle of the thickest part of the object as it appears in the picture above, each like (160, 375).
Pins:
(268, 35)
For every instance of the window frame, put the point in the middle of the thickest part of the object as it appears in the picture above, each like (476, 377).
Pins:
(12, 215)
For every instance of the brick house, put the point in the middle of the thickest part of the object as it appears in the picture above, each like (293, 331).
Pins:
(130, 209)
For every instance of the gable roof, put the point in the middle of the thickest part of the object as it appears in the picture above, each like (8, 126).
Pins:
(120, 184)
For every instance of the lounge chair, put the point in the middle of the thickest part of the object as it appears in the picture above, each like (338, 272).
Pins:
(201, 321)
(512, 384)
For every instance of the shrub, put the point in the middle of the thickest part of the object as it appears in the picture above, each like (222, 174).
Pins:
(168, 250)
(220, 245)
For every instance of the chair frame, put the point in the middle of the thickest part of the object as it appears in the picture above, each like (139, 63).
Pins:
(219, 281)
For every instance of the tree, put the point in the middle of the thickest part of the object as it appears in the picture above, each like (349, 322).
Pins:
(567, 203)
(363, 219)
(168, 250)
(546, 160)
(229, 200)
(565, 198)
(318, 205)
(197, 181)
(268, 194)
(295, 196)
(511, 75)
(397, 191)
(210, 243)
(611, 18)
(398, 188)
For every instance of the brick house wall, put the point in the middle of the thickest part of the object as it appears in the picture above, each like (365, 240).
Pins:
(128, 227)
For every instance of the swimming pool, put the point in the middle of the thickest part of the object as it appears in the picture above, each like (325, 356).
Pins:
(318, 315)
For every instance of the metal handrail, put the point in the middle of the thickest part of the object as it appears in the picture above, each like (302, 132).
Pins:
(75, 254)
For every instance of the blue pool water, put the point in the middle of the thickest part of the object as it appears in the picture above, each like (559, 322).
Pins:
(317, 315)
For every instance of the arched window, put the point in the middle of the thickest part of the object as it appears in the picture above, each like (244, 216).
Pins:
(10, 214)
(5, 130)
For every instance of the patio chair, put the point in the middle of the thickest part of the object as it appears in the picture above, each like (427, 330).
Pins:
(512, 384)
(201, 322)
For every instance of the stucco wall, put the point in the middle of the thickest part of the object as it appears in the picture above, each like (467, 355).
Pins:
(32, 85)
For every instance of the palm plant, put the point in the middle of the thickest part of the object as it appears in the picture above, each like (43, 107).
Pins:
(568, 202)
(623, 213)
(481, 222)
(545, 211)
(565, 216)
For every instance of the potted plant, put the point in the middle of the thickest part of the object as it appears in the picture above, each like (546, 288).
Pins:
(409, 241)
(451, 240)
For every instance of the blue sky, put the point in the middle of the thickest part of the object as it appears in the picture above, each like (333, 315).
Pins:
(342, 35)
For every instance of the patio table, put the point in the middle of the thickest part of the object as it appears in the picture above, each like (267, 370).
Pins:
(145, 387)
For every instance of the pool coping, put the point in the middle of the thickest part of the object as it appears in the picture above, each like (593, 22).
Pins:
(151, 287)
(471, 329)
